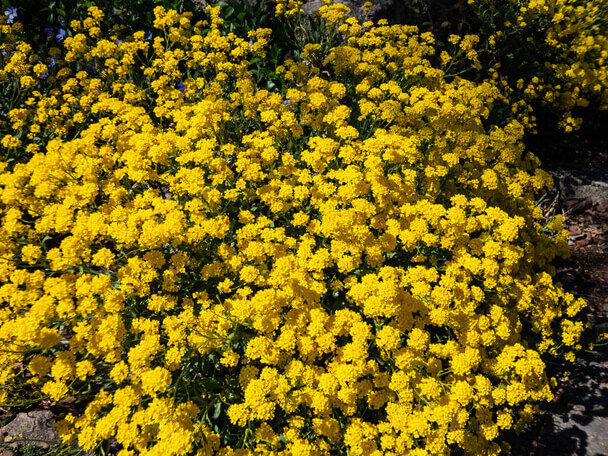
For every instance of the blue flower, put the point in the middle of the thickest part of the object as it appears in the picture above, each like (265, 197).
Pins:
(180, 87)
(148, 36)
(10, 14)
(60, 34)
(51, 64)
(48, 30)
(288, 102)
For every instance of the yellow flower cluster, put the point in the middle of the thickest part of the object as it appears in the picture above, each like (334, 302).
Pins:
(354, 266)
(288, 7)
(572, 72)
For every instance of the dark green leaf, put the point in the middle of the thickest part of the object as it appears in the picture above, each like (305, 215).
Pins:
(217, 409)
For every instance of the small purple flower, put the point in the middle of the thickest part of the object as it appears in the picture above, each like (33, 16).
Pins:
(51, 64)
(10, 13)
(3, 52)
(148, 36)
(289, 102)
(250, 43)
(180, 87)
(48, 30)
(60, 34)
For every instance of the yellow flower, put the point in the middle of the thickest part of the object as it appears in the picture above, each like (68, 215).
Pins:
(10, 142)
(56, 390)
(155, 380)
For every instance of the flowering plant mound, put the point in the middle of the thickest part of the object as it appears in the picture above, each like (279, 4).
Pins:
(352, 265)
(554, 51)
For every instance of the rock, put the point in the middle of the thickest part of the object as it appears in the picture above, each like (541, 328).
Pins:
(202, 4)
(596, 191)
(392, 10)
(35, 428)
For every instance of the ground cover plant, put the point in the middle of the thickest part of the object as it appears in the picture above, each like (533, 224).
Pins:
(340, 254)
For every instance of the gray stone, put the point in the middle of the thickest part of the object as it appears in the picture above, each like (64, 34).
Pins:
(596, 191)
(582, 184)
(312, 6)
(392, 10)
(202, 4)
(35, 428)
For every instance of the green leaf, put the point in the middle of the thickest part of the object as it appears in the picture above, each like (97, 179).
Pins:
(228, 12)
(217, 409)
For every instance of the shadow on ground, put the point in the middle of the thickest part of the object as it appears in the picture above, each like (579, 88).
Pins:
(576, 422)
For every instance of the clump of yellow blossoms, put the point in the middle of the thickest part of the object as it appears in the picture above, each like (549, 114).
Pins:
(288, 8)
(353, 265)
(562, 50)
